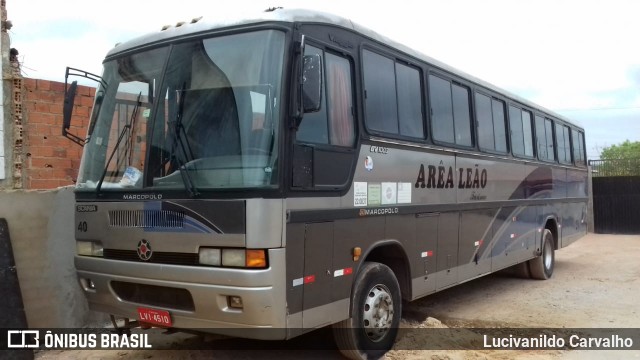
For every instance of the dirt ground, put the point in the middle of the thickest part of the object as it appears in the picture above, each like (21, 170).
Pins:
(596, 284)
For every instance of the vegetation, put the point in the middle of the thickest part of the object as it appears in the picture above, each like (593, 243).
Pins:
(619, 160)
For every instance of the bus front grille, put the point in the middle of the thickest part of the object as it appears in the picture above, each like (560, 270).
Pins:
(171, 258)
(146, 218)
(161, 296)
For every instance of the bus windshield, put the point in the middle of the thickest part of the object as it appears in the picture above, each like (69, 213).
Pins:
(195, 115)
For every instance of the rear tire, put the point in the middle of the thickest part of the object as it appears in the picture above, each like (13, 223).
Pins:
(376, 308)
(541, 267)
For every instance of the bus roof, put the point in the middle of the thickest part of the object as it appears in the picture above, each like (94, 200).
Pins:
(203, 25)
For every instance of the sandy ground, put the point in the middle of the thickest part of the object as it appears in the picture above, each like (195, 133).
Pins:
(596, 284)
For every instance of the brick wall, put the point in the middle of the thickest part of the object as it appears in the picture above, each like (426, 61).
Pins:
(50, 159)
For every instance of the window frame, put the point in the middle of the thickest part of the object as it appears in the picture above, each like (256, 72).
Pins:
(522, 109)
(565, 139)
(581, 144)
(325, 100)
(458, 82)
(423, 95)
(491, 98)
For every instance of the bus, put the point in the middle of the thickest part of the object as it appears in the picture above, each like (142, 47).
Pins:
(271, 175)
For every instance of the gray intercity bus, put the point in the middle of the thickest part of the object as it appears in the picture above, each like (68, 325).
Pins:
(296, 170)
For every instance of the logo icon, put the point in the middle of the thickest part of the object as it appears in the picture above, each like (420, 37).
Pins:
(368, 163)
(144, 250)
(19, 339)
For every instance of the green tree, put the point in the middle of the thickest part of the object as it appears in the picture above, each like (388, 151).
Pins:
(626, 150)
(620, 160)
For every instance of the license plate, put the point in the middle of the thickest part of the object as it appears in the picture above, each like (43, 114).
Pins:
(154, 317)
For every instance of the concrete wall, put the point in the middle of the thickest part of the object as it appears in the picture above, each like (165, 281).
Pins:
(41, 226)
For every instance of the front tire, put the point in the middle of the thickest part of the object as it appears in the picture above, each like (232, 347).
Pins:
(376, 308)
(541, 267)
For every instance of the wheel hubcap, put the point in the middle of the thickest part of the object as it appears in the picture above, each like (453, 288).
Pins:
(548, 256)
(378, 312)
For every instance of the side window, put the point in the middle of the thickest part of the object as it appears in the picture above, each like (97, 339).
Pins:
(393, 96)
(544, 136)
(564, 144)
(380, 93)
(499, 125)
(578, 147)
(334, 123)
(541, 137)
(491, 124)
(527, 132)
(409, 101)
(551, 150)
(450, 115)
(521, 132)
(515, 124)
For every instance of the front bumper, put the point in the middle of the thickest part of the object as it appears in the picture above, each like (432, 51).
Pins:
(262, 291)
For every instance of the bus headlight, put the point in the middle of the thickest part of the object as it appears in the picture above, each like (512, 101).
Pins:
(209, 256)
(89, 248)
(233, 257)
(239, 258)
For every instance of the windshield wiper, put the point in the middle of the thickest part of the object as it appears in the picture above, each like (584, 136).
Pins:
(183, 144)
(134, 115)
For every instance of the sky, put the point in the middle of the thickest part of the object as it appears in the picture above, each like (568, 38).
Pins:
(579, 58)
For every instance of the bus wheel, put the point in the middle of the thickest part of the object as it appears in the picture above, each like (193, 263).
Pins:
(376, 308)
(542, 267)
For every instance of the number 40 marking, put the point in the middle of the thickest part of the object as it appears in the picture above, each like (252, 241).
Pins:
(82, 226)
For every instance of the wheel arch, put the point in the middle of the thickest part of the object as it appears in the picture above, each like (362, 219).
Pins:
(392, 254)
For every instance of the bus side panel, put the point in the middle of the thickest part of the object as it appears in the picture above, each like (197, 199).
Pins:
(447, 251)
(318, 278)
(475, 235)
(504, 235)
(424, 282)
(295, 272)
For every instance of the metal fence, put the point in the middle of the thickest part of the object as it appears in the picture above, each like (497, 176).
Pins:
(616, 167)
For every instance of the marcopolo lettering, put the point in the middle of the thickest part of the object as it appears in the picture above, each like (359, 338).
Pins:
(442, 177)
(378, 211)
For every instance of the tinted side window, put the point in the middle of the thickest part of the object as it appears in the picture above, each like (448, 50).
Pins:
(541, 138)
(486, 139)
(499, 125)
(551, 150)
(409, 101)
(461, 115)
(562, 139)
(521, 131)
(577, 147)
(517, 139)
(380, 93)
(527, 132)
(441, 109)
(450, 111)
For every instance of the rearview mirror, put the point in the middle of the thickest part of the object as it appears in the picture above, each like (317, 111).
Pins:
(312, 83)
(67, 110)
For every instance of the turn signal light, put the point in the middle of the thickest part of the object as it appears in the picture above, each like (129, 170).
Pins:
(256, 259)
